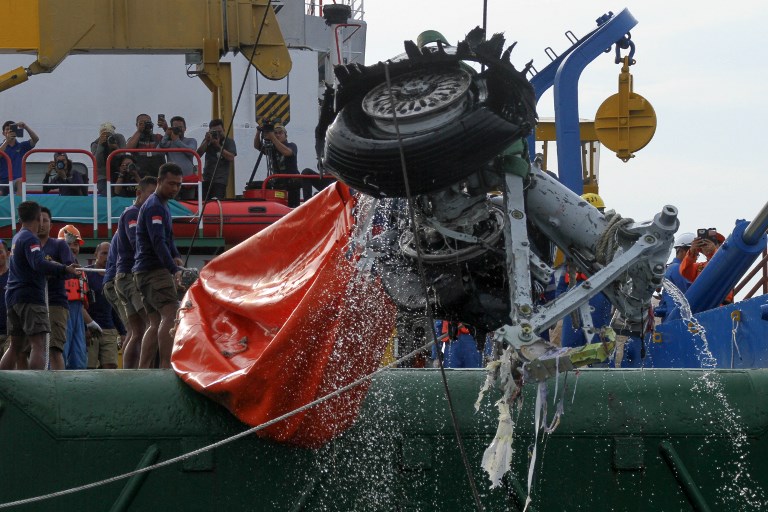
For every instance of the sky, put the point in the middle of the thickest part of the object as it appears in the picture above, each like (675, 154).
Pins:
(702, 69)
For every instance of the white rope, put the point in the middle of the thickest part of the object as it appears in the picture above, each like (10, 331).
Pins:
(218, 443)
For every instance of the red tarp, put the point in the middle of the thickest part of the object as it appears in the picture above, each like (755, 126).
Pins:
(285, 318)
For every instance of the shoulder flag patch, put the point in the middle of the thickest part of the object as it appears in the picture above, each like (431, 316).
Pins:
(132, 223)
(34, 247)
(157, 219)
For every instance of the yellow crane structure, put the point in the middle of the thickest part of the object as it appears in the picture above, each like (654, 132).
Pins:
(204, 30)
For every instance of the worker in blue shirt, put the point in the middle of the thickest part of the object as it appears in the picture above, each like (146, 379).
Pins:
(125, 286)
(102, 345)
(156, 270)
(25, 293)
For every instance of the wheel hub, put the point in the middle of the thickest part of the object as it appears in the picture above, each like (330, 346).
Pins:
(422, 100)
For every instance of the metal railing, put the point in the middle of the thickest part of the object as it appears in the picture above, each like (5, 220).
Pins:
(11, 194)
(197, 184)
(90, 186)
(761, 265)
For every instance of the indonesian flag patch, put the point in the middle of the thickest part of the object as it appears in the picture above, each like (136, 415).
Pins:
(157, 219)
(34, 247)
(132, 223)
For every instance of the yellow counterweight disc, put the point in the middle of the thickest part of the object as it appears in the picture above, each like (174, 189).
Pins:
(625, 130)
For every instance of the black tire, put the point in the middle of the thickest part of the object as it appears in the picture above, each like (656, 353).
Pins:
(369, 161)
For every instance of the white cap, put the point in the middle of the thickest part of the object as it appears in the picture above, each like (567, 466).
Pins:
(684, 239)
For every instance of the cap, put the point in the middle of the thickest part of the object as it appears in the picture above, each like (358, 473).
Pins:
(594, 199)
(684, 239)
(107, 127)
(70, 233)
(279, 125)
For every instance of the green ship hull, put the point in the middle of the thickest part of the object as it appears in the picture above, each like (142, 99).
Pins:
(628, 440)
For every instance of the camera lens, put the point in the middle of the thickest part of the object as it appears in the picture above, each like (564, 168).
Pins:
(111, 140)
(60, 164)
(131, 167)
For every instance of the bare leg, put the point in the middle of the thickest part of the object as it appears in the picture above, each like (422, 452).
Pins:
(149, 341)
(164, 337)
(56, 358)
(8, 362)
(132, 348)
(37, 354)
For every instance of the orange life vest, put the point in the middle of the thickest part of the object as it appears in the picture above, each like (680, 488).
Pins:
(77, 289)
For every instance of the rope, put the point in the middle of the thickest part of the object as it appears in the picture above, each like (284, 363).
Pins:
(217, 444)
(606, 244)
(229, 130)
(423, 278)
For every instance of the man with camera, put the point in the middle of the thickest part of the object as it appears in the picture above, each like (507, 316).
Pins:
(107, 142)
(272, 140)
(60, 174)
(219, 152)
(128, 175)
(15, 150)
(145, 138)
(707, 242)
(174, 138)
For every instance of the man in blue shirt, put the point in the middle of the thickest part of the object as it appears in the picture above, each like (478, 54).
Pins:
(4, 341)
(25, 293)
(156, 270)
(125, 286)
(58, 304)
(16, 151)
(102, 345)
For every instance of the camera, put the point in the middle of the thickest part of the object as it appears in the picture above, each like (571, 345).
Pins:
(132, 167)
(707, 234)
(15, 129)
(176, 130)
(267, 126)
(214, 134)
(148, 127)
(111, 139)
(60, 164)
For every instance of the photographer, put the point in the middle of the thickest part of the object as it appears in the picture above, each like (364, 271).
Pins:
(16, 151)
(145, 138)
(272, 140)
(60, 173)
(101, 148)
(128, 175)
(707, 242)
(174, 138)
(219, 152)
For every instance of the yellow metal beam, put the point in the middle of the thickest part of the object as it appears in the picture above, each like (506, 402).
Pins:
(52, 29)
(217, 77)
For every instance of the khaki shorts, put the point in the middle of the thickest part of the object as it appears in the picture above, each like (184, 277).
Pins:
(59, 316)
(102, 348)
(129, 295)
(110, 293)
(28, 320)
(157, 289)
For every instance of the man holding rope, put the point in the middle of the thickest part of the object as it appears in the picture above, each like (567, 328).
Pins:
(25, 293)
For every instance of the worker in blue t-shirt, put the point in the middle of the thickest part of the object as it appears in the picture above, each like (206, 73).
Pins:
(157, 269)
(25, 293)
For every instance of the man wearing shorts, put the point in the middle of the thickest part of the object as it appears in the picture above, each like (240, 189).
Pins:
(156, 270)
(25, 293)
(58, 306)
(125, 286)
(102, 345)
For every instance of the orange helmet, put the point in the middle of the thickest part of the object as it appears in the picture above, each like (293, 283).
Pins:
(70, 233)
